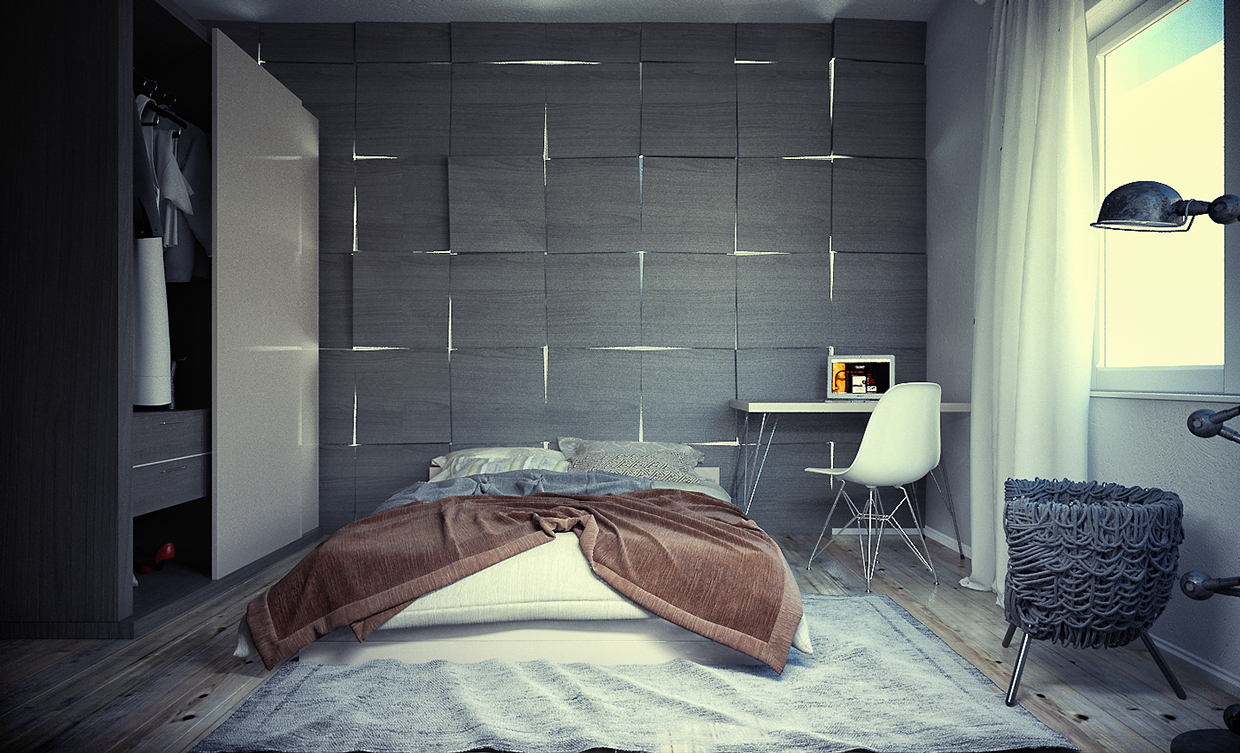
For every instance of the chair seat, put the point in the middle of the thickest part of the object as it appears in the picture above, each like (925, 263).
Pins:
(829, 471)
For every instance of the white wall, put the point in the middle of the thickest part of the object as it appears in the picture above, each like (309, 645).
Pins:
(1147, 443)
(1135, 442)
(957, 38)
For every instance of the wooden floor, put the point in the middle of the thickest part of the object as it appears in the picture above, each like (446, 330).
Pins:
(164, 691)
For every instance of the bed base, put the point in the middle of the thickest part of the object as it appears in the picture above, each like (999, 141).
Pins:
(645, 641)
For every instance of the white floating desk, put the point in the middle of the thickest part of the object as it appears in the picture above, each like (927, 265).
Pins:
(826, 406)
(754, 454)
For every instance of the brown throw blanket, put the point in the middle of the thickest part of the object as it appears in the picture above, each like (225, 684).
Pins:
(687, 557)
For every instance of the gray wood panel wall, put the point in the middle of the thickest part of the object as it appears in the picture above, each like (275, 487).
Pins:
(503, 244)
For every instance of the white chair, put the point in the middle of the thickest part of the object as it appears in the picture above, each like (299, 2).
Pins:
(900, 446)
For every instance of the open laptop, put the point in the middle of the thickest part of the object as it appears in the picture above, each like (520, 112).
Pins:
(860, 377)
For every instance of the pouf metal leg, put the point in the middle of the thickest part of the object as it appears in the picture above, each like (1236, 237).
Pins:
(1023, 655)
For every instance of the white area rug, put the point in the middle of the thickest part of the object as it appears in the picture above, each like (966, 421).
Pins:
(878, 680)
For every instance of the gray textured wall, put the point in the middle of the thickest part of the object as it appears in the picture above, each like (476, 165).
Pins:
(595, 212)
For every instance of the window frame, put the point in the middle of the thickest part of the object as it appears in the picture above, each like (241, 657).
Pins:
(1111, 23)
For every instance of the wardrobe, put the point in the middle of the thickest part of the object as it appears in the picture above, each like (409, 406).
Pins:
(91, 486)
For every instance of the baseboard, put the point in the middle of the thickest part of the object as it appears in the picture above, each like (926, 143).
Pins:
(1222, 679)
(932, 534)
(949, 542)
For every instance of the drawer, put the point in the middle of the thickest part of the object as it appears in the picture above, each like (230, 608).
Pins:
(171, 482)
(160, 435)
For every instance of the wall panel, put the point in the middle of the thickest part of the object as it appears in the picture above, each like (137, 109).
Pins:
(790, 374)
(880, 300)
(783, 110)
(307, 43)
(386, 314)
(392, 42)
(336, 200)
(498, 109)
(594, 110)
(883, 41)
(880, 109)
(337, 475)
(688, 42)
(498, 300)
(497, 205)
(689, 109)
(593, 392)
(594, 300)
(785, 43)
(499, 397)
(688, 205)
(594, 205)
(402, 396)
(335, 300)
(401, 205)
(492, 42)
(329, 92)
(403, 109)
(681, 302)
(600, 43)
(386, 468)
(879, 206)
(784, 301)
(685, 394)
(783, 205)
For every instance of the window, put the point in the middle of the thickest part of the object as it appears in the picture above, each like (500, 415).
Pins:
(1160, 79)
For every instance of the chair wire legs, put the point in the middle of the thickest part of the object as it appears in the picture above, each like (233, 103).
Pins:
(873, 521)
(1023, 655)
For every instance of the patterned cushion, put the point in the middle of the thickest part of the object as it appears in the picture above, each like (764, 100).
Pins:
(571, 446)
(656, 466)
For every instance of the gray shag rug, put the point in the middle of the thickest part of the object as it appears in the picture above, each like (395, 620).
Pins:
(877, 680)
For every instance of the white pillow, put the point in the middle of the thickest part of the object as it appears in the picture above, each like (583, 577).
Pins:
(496, 452)
(471, 465)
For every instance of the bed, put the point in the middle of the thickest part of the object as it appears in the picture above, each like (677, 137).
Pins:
(599, 551)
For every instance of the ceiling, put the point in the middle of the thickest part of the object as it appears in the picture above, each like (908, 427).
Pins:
(561, 11)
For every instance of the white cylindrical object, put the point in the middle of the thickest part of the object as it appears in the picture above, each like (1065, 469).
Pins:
(152, 350)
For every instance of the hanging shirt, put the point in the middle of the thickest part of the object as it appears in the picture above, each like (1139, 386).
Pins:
(191, 243)
(172, 186)
(147, 219)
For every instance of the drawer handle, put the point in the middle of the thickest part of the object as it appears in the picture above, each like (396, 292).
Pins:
(170, 423)
(174, 470)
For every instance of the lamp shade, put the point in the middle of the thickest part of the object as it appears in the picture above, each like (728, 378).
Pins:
(1142, 205)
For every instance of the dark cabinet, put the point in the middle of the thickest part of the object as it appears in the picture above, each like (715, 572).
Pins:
(84, 478)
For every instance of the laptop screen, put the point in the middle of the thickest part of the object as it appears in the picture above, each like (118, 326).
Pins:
(861, 377)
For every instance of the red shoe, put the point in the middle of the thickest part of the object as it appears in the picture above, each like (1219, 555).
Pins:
(165, 553)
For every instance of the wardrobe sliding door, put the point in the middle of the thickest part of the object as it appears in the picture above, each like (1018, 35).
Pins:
(265, 277)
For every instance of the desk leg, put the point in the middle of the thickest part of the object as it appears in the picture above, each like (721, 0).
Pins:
(752, 461)
(946, 493)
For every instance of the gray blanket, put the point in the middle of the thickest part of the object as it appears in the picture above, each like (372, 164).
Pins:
(517, 484)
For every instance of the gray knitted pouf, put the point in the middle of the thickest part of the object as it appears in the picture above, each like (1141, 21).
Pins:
(1090, 565)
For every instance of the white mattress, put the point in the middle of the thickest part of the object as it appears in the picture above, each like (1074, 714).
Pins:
(552, 581)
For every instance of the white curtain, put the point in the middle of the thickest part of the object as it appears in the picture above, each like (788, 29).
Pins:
(1036, 267)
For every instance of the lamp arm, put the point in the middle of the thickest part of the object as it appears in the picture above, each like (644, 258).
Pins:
(1206, 423)
(1224, 210)
(1200, 586)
